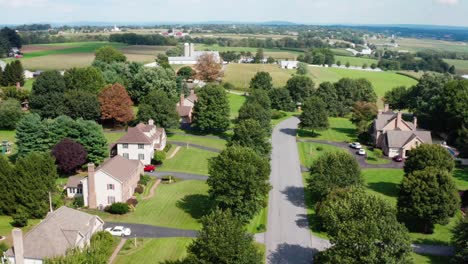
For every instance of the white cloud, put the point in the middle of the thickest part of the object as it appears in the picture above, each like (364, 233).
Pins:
(448, 2)
(23, 3)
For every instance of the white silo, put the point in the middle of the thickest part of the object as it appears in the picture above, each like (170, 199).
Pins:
(186, 50)
(192, 50)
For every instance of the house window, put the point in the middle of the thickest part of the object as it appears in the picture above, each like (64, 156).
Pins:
(110, 187)
(125, 146)
(141, 146)
(141, 156)
(79, 190)
(125, 155)
(110, 199)
(72, 190)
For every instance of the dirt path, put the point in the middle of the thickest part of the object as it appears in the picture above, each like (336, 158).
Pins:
(174, 152)
(151, 192)
(117, 250)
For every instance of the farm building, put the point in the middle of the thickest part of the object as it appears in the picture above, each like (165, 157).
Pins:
(191, 56)
(288, 64)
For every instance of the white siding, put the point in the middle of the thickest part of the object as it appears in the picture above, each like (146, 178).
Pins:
(133, 152)
(102, 180)
(26, 261)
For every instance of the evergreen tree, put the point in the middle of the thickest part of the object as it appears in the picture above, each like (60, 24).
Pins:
(211, 111)
(314, 114)
(18, 73)
(7, 198)
(30, 135)
(82, 104)
(47, 98)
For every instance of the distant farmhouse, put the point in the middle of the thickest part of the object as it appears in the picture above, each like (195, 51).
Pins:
(288, 64)
(60, 231)
(395, 136)
(365, 51)
(191, 56)
(174, 33)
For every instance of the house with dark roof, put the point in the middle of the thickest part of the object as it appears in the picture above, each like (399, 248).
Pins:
(60, 231)
(395, 136)
(185, 107)
(113, 181)
(140, 142)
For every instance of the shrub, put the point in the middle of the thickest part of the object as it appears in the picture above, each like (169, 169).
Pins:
(159, 157)
(78, 202)
(319, 148)
(276, 114)
(20, 218)
(3, 247)
(139, 189)
(167, 147)
(118, 208)
(132, 202)
(144, 180)
(167, 179)
(228, 86)
(378, 153)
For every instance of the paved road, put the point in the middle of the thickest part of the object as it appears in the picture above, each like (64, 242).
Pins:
(149, 231)
(180, 175)
(288, 239)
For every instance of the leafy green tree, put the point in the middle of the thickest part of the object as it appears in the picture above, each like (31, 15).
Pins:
(427, 197)
(7, 198)
(281, 100)
(259, 56)
(460, 242)
(333, 170)
(109, 54)
(163, 61)
(211, 111)
(302, 69)
(300, 87)
(10, 114)
(261, 80)
(88, 79)
(429, 155)
(348, 64)
(327, 92)
(47, 95)
(157, 106)
(91, 136)
(270, 60)
(149, 79)
(249, 133)
(255, 111)
(223, 240)
(363, 229)
(454, 100)
(82, 104)
(350, 91)
(186, 72)
(261, 97)
(363, 114)
(30, 134)
(35, 176)
(239, 181)
(397, 97)
(314, 114)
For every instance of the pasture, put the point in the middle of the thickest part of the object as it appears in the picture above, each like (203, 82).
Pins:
(414, 45)
(461, 66)
(355, 61)
(275, 53)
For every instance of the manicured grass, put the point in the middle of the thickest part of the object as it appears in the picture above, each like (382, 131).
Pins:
(177, 205)
(461, 66)
(355, 61)
(6, 227)
(310, 208)
(241, 74)
(235, 103)
(203, 141)
(461, 178)
(112, 137)
(372, 157)
(259, 222)
(308, 152)
(340, 130)
(153, 250)
(428, 259)
(189, 160)
(28, 84)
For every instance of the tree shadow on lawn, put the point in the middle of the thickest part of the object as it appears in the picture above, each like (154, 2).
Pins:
(461, 174)
(307, 133)
(197, 205)
(386, 188)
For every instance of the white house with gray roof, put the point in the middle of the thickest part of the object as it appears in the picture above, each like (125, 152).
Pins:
(395, 136)
(60, 231)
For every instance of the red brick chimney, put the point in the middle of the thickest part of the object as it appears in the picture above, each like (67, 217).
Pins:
(92, 203)
(182, 99)
(18, 246)
(415, 123)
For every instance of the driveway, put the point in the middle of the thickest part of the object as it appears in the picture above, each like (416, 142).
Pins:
(149, 231)
(288, 239)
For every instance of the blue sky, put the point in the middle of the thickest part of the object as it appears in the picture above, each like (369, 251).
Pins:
(434, 12)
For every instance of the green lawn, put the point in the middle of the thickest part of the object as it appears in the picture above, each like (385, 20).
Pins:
(372, 157)
(461, 66)
(203, 141)
(189, 160)
(355, 61)
(461, 178)
(235, 103)
(153, 250)
(178, 205)
(28, 84)
(259, 222)
(341, 130)
(6, 227)
(308, 152)
(428, 259)
(241, 74)
(112, 137)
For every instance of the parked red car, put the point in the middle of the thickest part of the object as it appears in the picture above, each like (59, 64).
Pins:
(150, 168)
(398, 159)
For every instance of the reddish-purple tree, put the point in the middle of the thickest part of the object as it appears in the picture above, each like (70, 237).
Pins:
(69, 155)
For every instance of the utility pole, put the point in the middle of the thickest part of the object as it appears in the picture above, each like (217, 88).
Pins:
(50, 203)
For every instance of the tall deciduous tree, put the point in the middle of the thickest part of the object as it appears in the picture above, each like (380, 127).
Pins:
(261, 80)
(281, 100)
(427, 197)
(302, 68)
(397, 97)
(223, 240)
(255, 111)
(88, 79)
(116, 104)
(208, 69)
(239, 181)
(186, 72)
(82, 104)
(149, 79)
(363, 229)
(314, 115)
(333, 170)
(47, 95)
(460, 242)
(249, 133)
(69, 155)
(109, 54)
(211, 111)
(300, 87)
(429, 155)
(159, 107)
(363, 113)
(10, 113)
(327, 92)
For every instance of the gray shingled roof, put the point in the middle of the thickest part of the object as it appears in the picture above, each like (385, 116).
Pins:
(73, 181)
(397, 139)
(384, 118)
(57, 233)
(119, 167)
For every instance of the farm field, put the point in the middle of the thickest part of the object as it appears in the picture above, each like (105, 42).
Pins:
(153, 250)
(414, 45)
(189, 160)
(461, 66)
(355, 61)
(241, 74)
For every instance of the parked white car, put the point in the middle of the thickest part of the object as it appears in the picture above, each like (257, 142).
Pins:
(361, 152)
(119, 231)
(355, 145)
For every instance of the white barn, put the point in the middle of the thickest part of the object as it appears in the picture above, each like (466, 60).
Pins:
(191, 56)
(288, 64)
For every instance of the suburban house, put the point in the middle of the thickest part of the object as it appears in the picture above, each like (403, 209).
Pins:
(60, 231)
(114, 181)
(185, 107)
(395, 136)
(191, 56)
(288, 64)
(140, 142)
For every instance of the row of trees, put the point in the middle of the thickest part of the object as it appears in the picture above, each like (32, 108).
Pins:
(147, 39)
(318, 56)
(420, 62)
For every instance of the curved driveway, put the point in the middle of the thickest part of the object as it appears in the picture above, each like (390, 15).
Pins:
(288, 239)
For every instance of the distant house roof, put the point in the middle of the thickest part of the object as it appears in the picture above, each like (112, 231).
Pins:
(119, 167)
(73, 181)
(184, 110)
(386, 117)
(136, 135)
(397, 138)
(57, 233)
